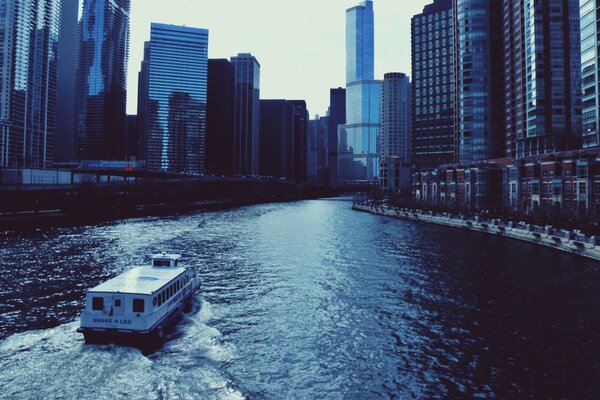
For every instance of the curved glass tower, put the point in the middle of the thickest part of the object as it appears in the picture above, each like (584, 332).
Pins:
(358, 147)
(28, 74)
(101, 80)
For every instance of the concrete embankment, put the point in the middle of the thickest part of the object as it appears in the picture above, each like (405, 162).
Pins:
(569, 241)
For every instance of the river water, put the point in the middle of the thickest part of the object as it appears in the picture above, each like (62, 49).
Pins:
(306, 300)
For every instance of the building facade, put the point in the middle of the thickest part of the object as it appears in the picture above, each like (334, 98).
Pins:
(478, 77)
(283, 139)
(29, 31)
(246, 140)
(66, 92)
(433, 85)
(175, 106)
(396, 126)
(358, 139)
(543, 76)
(219, 122)
(102, 80)
(337, 117)
(589, 74)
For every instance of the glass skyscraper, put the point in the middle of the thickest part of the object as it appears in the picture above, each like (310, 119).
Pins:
(246, 140)
(479, 99)
(358, 139)
(101, 80)
(550, 76)
(433, 85)
(175, 107)
(28, 74)
(589, 74)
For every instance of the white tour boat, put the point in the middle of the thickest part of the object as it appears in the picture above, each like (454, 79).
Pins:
(139, 305)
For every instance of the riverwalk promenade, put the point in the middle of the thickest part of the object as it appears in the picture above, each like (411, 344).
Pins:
(568, 241)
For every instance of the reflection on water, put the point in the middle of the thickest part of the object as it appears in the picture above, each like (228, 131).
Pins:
(307, 300)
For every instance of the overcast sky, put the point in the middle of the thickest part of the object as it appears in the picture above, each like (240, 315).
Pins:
(299, 44)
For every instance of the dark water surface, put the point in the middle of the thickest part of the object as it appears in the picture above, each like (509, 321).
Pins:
(307, 300)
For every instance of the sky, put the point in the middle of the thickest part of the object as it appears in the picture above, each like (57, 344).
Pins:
(299, 44)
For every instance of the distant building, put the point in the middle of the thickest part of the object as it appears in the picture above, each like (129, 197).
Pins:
(590, 69)
(67, 70)
(396, 125)
(246, 144)
(358, 152)
(28, 83)
(337, 117)
(317, 158)
(175, 107)
(102, 80)
(219, 119)
(131, 138)
(433, 85)
(543, 76)
(479, 81)
(283, 139)
(142, 105)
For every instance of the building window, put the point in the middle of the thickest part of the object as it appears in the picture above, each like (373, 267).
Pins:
(138, 305)
(98, 303)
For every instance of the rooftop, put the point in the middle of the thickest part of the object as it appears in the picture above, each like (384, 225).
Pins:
(139, 280)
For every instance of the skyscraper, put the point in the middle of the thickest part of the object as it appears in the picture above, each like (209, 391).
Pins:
(590, 70)
(28, 75)
(101, 80)
(543, 76)
(175, 106)
(478, 75)
(246, 140)
(433, 85)
(358, 151)
(67, 69)
(337, 117)
(283, 139)
(396, 125)
(219, 125)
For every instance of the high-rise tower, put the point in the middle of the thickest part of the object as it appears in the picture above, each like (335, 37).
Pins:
(101, 80)
(28, 74)
(358, 145)
(246, 140)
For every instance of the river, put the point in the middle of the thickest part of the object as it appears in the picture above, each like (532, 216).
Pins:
(306, 300)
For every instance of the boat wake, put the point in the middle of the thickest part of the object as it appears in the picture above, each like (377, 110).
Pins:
(55, 363)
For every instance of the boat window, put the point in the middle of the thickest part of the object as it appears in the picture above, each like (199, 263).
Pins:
(176, 262)
(162, 297)
(155, 301)
(118, 303)
(159, 300)
(98, 303)
(138, 305)
(162, 263)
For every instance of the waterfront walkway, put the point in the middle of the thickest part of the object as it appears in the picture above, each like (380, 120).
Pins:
(569, 241)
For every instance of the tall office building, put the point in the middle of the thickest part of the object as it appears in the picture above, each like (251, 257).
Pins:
(101, 80)
(176, 95)
(543, 76)
(246, 141)
(28, 73)
(358, 145)
(67, 69)
(142, 105)
(590, 71)
(479, 82)
(283, 139)
(337, 117)
(219, 119)
(396, 125)
(433, 85)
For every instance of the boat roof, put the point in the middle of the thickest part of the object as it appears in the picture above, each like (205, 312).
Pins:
(139, 280)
